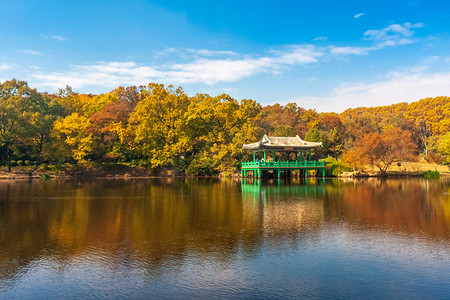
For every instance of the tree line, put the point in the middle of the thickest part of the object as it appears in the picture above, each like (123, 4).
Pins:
(160, 127)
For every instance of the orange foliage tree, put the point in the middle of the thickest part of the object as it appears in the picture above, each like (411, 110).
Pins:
(381, 150)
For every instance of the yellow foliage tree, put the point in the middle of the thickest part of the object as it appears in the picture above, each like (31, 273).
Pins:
(72, 132)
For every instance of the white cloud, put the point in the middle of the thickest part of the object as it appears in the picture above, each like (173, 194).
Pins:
(209, 71)
(58, 37)
(53, 37)
(190, 52)
(350, 50)
(359, 15)
(32, 52)
(298, 55)
(394, 88)
(395, 34)
(321, 38)
(206, 52)
(103, 74)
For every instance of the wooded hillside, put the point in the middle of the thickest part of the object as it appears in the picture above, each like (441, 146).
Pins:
(162, 127)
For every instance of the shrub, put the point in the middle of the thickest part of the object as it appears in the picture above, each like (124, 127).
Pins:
(335, 167)
(27, 163)
(431, 174)
(20, 162)
(13, 163)
(45, 177)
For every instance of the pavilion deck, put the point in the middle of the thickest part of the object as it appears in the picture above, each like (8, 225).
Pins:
(258, 167)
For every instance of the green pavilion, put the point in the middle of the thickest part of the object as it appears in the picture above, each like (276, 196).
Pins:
(279, 156)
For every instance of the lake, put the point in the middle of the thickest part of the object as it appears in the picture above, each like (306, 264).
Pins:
(213, 239)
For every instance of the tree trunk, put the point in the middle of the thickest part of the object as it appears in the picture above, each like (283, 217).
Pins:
(8, 158)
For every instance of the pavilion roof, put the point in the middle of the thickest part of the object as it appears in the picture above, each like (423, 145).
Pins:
(282, 144)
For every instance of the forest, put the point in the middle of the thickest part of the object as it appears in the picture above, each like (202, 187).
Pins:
(160, 128)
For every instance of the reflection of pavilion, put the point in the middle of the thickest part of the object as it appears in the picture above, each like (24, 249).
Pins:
(294, 147)
(255, 190)
(282, 211)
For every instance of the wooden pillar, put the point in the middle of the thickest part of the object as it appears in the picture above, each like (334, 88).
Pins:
(254, 155)
(265, 158)
(306, 173)
(273, 156)
(323, 172)
(279, 173)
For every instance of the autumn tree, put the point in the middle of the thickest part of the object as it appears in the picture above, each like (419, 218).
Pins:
(444, 147)
(431, 116)
(108, 128)
(381, 150)
(157, 124)
(74, 139)
(217, 127)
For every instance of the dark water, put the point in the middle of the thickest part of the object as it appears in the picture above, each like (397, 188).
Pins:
(192, 238)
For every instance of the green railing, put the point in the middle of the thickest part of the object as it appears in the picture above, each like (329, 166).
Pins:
(283, 164)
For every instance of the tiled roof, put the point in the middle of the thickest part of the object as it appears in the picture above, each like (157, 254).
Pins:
(282, 143)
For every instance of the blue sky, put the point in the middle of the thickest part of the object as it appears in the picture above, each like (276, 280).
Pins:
(328, 55)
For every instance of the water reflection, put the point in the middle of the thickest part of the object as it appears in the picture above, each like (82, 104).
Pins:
(284, 210)
(80, 233)
(416, 206)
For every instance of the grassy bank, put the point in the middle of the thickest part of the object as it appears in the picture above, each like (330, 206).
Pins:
(406, 169)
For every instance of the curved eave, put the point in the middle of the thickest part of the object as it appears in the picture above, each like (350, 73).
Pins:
(253, 146)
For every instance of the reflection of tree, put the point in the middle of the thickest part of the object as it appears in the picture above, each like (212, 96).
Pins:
(158, 224)
(411, 206)
(147, 221)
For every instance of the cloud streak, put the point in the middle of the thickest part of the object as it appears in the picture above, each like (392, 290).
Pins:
(32, 52)
(53, 37)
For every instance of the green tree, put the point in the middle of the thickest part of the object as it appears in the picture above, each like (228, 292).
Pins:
(40, 122)
(18, 104)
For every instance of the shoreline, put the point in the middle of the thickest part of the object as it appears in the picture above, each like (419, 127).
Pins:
(112, 175)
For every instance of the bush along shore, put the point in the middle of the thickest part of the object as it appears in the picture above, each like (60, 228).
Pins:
(118, 171)
(68, 171)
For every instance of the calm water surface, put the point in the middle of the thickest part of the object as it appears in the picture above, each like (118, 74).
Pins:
(192, 238)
